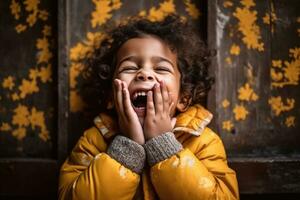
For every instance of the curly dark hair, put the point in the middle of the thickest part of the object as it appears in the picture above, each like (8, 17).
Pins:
(181, 37)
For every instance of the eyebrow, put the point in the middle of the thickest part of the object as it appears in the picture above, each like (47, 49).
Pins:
(155, 58)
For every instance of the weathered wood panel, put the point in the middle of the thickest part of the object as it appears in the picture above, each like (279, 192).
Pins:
(28, 82)
(256, 95)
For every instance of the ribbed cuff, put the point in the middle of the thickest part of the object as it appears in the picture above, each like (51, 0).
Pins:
(161, 148)
(128, 153)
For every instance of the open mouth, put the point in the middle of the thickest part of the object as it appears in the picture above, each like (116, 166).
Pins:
(139, 99)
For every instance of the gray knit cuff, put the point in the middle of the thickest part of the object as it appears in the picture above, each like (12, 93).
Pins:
(161, 148)
(128, 153)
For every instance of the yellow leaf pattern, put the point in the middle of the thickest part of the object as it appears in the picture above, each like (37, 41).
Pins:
(246, 93)
(8, 83)
(247, 25)
(225, 103)
(102, 12)
(15, 9)
(278, 106)
(240, 112)
(235, 50)
(191, 9)
(290, 121)
(289, 72)
(227, 125)
(5, 127)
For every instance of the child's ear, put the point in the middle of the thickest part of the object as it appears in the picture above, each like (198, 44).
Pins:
(184, 102)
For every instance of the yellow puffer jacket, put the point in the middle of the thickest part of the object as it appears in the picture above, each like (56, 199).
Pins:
(199, 171)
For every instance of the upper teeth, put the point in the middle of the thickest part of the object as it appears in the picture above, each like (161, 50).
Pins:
(136, 94)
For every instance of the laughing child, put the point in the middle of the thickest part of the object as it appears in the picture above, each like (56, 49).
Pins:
(150, 140)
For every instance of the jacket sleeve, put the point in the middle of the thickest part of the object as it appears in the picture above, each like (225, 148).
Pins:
(91, 173)
(183, 174)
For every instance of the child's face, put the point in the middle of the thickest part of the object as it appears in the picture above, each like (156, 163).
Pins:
(142, 62)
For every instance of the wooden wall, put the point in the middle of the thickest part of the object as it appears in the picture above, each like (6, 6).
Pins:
(255, 99)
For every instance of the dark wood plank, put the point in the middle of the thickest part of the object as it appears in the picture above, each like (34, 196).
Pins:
(28, 177)
(63, 80)
(267, 175)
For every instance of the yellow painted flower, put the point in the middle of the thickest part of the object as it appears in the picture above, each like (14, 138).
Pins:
(94, 39)
(8, 83)
(116, 4)
(5, 127)
(227, 4)
(156, 15)
(235, 50)
(37, 119)
(167, 6)
(76, 102)
(15, 9)
(20, 28)
(248, 3)
(290, 121)
(44, 56)
(276, 76)
(191, 9)
(15, 97)
(292, 71)
(42, 43)
(295, 53)
(43, 15)
(44, 135)
(20, 116)
(228, 60)
(287, 74)
(19, 133)
(225, 103)
(33, 74)
(227, 125)
(31, 5)
(46, 73)
(246, 93)
(27, 87)
(266, 19)
(47, 31)
(240, 112)
(142, 13)
(248, 27)
(277, 63)
(75, 71)
(79, 51)
(31, 19)
(278, 106)
(101, 13)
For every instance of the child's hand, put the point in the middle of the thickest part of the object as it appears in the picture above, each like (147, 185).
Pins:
(128, 120)
(158, 120)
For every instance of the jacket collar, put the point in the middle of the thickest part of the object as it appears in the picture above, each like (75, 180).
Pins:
(192, 121)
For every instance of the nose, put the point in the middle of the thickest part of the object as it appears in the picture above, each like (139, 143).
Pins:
(145, 75)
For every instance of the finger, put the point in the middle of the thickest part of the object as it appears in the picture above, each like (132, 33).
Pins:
(173, 122)
(165, 96)
(170, 108)
(118, 97)
(128, 110)
(150, 105)
(158, 100)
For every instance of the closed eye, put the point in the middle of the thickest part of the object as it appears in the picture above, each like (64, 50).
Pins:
(128, 69)
(162, 69)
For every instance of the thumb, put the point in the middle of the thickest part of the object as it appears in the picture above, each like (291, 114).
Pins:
(173, 122)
